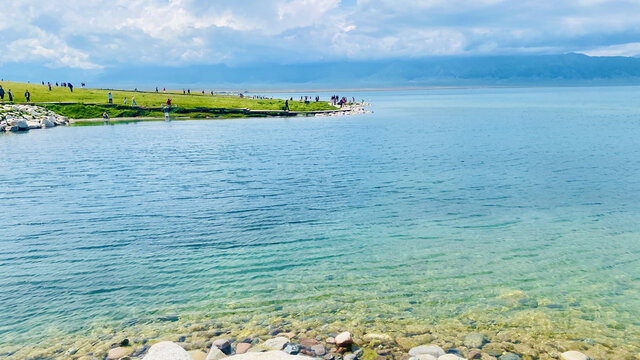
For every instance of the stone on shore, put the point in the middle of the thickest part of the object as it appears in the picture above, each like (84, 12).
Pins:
(423, 357)
(474, 340)
(573, 355)
(450, 357)
(215, 353)
(167, 350)
(119, 352)
(223, 344)
(433, 350)
(319, 350)
(198, 354)
(270, 355)
(344, 339)
(291, 349)
(277, 343)
(242, 347)
(48, 122)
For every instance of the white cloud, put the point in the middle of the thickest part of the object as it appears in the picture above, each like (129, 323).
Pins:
(629, 49)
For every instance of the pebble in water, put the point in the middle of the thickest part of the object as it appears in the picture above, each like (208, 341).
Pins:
(474, 340)
(344, 339)
(167, 350)
(433, 350)
(277, 343)
(573, 355)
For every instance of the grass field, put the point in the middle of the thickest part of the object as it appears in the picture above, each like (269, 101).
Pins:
(41, 93)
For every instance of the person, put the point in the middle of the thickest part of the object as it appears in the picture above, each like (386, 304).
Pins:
(10, 94)
(57, 84)
(166, 113)
(164, 89)
(156, 89)
(184, 92)
(286, 105)
(1, 93)
(105, 116)
(133, 101)
(27, 95)
(110, 98)
(189, 91)
(169, 102)
(70, 87)
(125, 100)
(49, 86)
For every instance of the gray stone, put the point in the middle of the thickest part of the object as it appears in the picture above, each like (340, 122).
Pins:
(319, 349)
(510, 356)
(573, 355)
(276, 343)
(350, 357)
(167, 350)
(424, 357)
(242, 347)
(291, 349)
(433, 350)
(474, 340)
(344, 339)
(48, 122)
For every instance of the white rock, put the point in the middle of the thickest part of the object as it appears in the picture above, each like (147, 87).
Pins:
(34, 125)
(573, 355)
(47, 122)
(433, 350)
(20, 123)
(423, 357)
(167, 350)
(450, 357)
(344, 339)
(277, 343)
(215, 354)
(270, 355)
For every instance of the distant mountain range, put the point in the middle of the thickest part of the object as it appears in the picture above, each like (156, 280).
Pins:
(568, 69)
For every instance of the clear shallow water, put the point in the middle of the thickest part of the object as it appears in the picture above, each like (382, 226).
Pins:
(512, 206)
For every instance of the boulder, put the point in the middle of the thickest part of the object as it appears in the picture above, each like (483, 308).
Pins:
(474, 340)
(433, 350)
(223, 344)
(423, 357)
(215, 353)
(573, 355)
(167, 350)
(20, 123)
(277, 343)
(34, 125)
(308, 342)
(48, 122)
(198, 354)
(319, 350)
(242, 347)
(344, 339)
(292, 349)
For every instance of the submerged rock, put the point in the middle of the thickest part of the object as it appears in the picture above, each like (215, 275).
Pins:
(242, 347)
(450, 357)
(270, 355)
(119, 352)
(474, 340)
(215, 353)
(433, 350)
(277, 343)
(573, 355)
(291, 349)
(167, 350)
(344, 339)
(510, 356)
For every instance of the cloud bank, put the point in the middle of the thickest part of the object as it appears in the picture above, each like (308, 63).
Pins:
(91, 35)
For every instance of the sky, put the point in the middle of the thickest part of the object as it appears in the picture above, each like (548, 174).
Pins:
(97, 35)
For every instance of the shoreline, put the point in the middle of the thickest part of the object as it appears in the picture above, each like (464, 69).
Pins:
(250, 334)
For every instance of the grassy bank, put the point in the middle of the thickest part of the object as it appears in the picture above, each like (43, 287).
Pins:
(41, 93)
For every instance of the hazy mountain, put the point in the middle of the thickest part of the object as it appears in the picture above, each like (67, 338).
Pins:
(569, 69)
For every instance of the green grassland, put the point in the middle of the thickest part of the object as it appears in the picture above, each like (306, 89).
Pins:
(204, 103)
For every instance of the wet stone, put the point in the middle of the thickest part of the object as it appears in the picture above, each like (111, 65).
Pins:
(474, 340)
(433, 350)
(308, 342)
(573, 355)
(242, 347)
(344, 339)
(510, 356)
(350, 357)
(318, 350)
(223, 344)
(291, 349)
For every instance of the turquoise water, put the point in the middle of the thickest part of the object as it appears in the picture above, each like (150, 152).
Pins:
(512, 206)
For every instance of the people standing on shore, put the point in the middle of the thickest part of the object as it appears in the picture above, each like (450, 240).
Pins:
(166, 113)
(10, 95)
(1, 93)
(125, 100)
(286, 105)
(184, 92)
(27, 95)
(110, 98)
(189, 91)
(105, 116)
(70, 87)
(49, 86)
(57, 84)
(169, 102)
(133, 101)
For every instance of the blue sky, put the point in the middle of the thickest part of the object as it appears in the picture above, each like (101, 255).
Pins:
(94, 35)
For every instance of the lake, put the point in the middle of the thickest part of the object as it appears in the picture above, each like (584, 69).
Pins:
(451, 209)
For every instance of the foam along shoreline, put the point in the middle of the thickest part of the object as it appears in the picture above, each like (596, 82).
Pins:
(14, 118)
